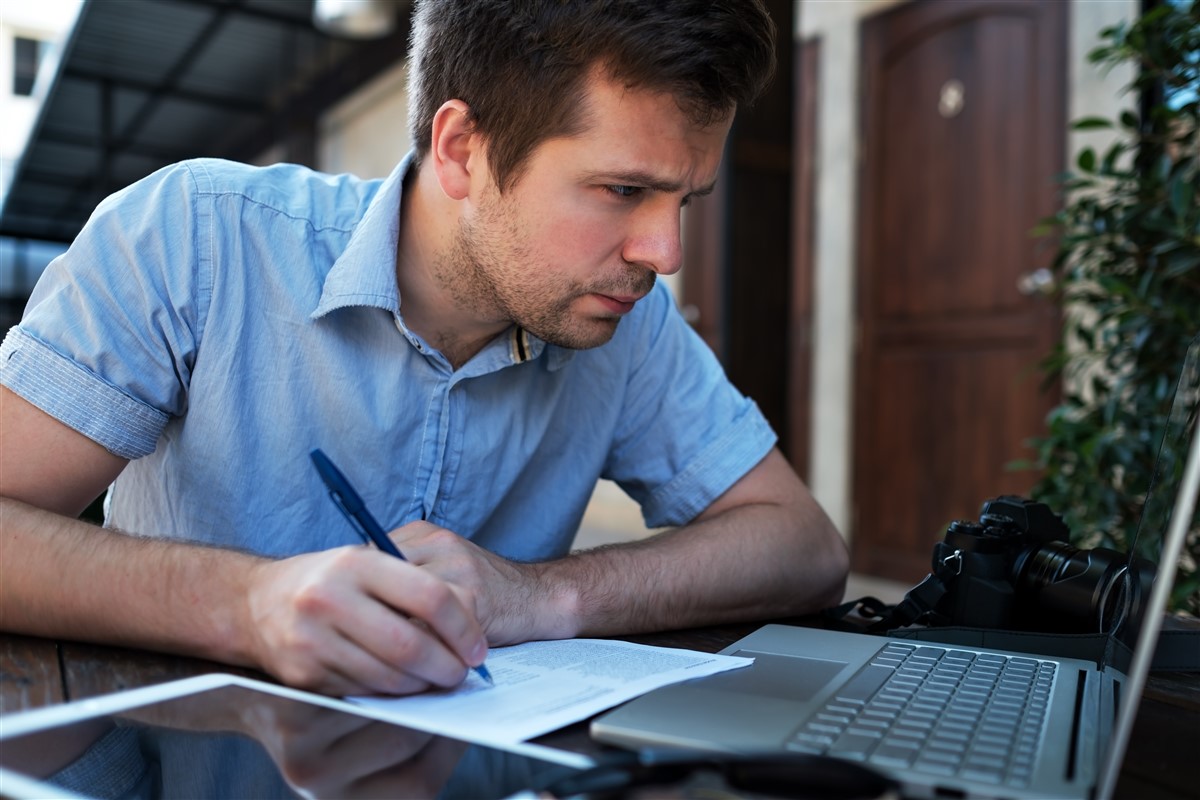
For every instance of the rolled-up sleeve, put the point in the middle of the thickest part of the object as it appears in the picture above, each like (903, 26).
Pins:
(686, 434)
(112, 330)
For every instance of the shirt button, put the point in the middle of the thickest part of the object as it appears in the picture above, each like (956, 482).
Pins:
(411, 339)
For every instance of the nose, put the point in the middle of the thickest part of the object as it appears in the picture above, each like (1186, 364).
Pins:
(655, 240)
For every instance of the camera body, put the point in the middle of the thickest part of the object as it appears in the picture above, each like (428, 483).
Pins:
(1015, 569)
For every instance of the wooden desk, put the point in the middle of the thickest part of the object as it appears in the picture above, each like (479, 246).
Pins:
(1159, 764)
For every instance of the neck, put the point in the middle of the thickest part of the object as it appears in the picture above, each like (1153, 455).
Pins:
(428, 223)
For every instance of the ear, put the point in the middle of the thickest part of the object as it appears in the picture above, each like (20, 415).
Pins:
(454, 149)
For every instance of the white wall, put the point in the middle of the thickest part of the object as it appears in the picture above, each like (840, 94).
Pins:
(21, 263)
(45, 20)
(49, 21)
(1094, 94)
(367, 133)
(837, 22)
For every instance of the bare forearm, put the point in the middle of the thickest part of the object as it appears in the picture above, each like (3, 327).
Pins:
(66, 578)
(343, 621)
(751, 562)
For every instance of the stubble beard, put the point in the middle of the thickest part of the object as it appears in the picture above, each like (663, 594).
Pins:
(488, 272)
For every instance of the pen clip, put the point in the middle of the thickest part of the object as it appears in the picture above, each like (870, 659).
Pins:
(353, 520)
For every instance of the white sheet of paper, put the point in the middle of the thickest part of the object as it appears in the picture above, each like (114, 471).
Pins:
(543, 686)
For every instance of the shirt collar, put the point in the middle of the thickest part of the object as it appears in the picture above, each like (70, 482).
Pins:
(365, 273)
(524, 346)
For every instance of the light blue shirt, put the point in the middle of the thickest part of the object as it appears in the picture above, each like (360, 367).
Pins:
(215, 322)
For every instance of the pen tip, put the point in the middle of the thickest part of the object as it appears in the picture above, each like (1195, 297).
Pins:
(482, 672)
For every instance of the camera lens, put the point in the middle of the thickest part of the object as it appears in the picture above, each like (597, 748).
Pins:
(1073, 590)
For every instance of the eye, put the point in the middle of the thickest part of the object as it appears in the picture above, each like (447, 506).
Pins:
(624, 191)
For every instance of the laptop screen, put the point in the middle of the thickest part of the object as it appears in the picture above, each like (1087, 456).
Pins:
(1172, 456)
(1169, 520)
(1146, 550)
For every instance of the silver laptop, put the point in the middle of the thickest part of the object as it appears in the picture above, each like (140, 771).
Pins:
(947, 720)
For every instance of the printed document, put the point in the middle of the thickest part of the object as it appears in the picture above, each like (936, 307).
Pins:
(543, 686)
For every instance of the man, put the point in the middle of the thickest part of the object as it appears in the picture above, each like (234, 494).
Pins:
(474, 340)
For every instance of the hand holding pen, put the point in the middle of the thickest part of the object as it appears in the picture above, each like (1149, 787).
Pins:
(355, 511)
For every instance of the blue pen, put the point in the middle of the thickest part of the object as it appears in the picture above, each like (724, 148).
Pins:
(355, 510)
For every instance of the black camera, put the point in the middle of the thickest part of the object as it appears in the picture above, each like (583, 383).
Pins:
(1015, 569)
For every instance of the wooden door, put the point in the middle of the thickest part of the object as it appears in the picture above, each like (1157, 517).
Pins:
(963, 132)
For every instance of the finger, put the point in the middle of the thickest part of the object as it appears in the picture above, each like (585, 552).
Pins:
(324, 659)
(374, 748)
(424, 775)
(287, 721)
(427, 598)
(426, 543)
(470, 571)
(371, 748)
(354, 620)
(359, 673)
(407, 647)
(411, 534)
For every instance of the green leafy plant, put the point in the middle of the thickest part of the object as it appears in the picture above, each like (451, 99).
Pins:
(1127, 268)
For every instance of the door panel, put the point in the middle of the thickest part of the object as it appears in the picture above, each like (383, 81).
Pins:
(963, 129)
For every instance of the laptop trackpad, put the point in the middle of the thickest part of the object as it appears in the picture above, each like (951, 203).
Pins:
(778, 677)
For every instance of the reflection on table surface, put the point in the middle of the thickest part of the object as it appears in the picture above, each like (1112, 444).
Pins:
(237, 742)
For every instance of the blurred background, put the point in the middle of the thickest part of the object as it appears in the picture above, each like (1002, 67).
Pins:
(865, 270)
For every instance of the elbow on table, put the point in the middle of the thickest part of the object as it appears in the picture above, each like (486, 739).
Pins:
(829, 565)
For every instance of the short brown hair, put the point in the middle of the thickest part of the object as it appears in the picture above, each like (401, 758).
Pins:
(521, 65)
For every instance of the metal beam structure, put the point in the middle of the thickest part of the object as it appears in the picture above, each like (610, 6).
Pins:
(144, 83)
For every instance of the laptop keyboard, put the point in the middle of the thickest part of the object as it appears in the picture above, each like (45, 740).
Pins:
(941, 711)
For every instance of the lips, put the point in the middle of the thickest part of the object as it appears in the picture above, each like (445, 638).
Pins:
(619, 304)
(619, 296)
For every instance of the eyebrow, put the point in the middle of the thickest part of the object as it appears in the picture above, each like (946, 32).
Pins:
(648, 181)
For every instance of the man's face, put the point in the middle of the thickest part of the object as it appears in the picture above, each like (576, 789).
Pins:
(589, 224)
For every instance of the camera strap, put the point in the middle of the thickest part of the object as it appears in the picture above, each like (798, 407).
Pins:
(918, 604)
(1178, 649)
